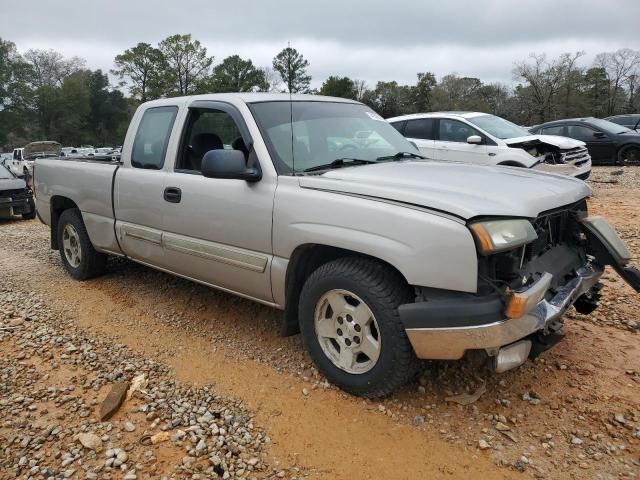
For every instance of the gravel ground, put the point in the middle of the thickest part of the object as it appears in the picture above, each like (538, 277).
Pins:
(53, 380)
(573, 413)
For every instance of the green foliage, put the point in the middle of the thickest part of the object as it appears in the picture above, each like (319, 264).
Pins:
(292, 67)
(235, 74)
(139, 68)
(342, 87)
(186, 64)
(15, 93)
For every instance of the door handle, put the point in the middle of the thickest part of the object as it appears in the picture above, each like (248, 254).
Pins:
(172, 194)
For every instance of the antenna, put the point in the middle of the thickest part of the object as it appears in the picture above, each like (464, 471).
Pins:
(293, 158)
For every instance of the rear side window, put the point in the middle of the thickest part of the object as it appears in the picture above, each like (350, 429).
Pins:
(421, 128)
(152, 137)
(557, 130)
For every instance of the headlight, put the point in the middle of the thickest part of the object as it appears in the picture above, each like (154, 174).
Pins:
(495, 236)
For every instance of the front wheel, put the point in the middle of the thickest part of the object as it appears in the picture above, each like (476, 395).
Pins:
(80, 259)
(348, 315)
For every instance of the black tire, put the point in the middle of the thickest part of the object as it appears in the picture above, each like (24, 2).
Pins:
(92, 263)
(629, 155)
(383, 290)
(32, 214)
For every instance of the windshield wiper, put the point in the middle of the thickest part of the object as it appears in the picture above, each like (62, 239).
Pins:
(339, 163)
(401, 155)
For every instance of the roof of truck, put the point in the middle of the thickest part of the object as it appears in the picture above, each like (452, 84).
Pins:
(248, 97)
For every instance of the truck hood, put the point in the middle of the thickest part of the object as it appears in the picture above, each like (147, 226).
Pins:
(564, 143)
(11, 184)
(461, 189)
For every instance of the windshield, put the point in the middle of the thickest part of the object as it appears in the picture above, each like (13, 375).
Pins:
(608, 127)
(322, 132)
(5, 173)
(498, 127)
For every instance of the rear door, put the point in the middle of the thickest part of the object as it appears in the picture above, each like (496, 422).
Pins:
(218, 231)
(601, 146)
(139, 186)
(421, 132)
(451, 141)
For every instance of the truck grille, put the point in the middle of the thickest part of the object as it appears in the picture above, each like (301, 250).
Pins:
(577, 156)
(16, 194)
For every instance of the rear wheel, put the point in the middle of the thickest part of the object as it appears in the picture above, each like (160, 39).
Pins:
(629, 155)
(80, 259)
(349, 321)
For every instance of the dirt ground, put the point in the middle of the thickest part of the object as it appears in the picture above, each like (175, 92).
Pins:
(573, 413)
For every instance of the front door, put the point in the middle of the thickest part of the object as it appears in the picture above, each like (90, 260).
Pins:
(452, 143)
(218, 231)
(601, 147)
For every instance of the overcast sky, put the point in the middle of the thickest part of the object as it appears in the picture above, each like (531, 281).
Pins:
(370, 40)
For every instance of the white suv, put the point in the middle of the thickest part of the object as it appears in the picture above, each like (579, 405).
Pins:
(486, 139)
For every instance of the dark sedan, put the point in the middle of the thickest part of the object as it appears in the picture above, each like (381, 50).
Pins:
(15, 197)
(631, 120)
(608, 142)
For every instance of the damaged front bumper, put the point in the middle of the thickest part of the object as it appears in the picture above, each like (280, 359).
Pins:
(16, 205)
(451, 343)
(581, 171)
(446, 328)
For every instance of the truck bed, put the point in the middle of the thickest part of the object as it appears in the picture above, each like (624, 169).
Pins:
(88, 182)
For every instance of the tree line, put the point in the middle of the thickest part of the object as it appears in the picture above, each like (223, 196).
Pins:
(44, 95)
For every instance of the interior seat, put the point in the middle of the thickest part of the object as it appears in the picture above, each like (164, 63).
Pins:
(201, 144)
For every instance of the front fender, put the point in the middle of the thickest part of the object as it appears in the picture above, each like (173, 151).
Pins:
(429, 249)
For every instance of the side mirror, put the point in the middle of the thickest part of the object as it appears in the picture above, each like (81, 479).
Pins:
(599, 134)
(474, 140)
(229, 164)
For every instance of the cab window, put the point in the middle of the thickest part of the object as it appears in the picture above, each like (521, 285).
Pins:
(206, 130)
(152, 137)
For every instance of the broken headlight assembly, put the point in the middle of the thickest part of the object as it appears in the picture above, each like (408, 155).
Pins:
(494, 236)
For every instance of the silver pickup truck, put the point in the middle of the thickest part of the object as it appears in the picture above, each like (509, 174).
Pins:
(318, 207)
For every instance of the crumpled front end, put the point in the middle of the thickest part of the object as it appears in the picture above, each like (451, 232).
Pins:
(523, 293)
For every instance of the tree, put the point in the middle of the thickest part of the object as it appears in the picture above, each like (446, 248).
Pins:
(423, 91)
(342, 87)
(361, 88)
(545, 79)
(618, 67)
(15, 94)
(49, 69)
(187, 64)
(140, 69)
(389, 99)
(292, 67)
(235, 74)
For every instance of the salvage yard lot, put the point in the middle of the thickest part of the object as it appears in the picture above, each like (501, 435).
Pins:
(250, 404)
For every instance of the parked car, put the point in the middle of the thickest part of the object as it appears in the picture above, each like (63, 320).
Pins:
(103, 151)
(608, 142)
(631, 121)
(377, 256)
(24, 158)
(490, 140)
(15, 197)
